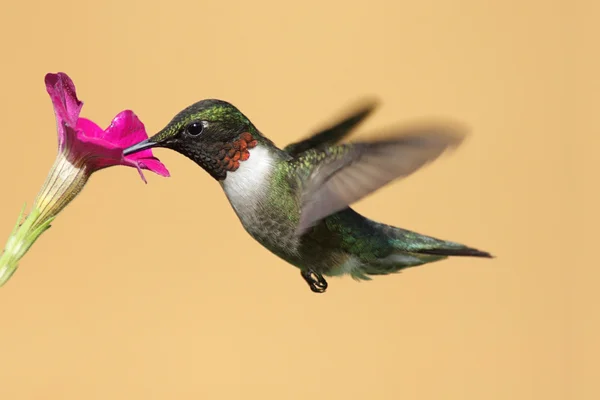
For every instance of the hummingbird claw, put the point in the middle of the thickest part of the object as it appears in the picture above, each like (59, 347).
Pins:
(315, 281)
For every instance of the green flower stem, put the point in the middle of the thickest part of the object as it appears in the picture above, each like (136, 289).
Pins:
(64, 182)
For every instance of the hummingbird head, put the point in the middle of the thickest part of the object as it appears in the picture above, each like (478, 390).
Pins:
(212, 133)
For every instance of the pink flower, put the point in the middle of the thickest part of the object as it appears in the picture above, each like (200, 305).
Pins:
(83, 148)
(80, 138)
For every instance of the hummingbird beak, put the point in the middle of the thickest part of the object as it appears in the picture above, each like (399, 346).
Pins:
(143, 145)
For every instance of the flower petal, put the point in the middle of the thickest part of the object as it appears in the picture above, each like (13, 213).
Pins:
(125, 129)
(97, 152)
(89, 128)
(108, 145)
(153, 164)
(64, 99)
(149, 163)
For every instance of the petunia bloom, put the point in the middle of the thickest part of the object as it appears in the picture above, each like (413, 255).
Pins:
(83, 148)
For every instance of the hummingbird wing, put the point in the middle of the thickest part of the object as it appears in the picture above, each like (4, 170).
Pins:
(337, 176)
(336, 132)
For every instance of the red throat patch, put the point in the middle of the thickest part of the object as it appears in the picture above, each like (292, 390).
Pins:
(237, 151)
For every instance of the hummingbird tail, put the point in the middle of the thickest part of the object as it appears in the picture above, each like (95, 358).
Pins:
(411, 242)
(462, 251)
(410, 249)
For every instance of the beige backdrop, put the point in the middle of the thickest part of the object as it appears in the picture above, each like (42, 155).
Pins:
(156, 292)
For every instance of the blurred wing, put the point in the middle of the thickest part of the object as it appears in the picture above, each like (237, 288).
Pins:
(349, 172)
(336, 132)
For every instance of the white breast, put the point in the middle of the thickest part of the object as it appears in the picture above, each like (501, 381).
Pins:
(246, 186)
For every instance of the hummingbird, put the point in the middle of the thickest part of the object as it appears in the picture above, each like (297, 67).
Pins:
(296, 201)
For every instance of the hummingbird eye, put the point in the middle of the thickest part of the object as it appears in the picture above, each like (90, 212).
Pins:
(195, 128)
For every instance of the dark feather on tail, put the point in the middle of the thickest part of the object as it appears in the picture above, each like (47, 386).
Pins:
(456, 252)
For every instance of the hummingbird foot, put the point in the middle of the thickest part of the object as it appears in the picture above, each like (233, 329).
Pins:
(315, 281)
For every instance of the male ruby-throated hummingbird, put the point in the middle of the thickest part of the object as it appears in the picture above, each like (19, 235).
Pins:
(295, 201)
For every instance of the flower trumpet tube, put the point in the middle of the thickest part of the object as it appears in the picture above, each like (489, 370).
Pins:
(83, 148)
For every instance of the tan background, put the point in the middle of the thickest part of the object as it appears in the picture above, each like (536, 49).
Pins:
(156, 292)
